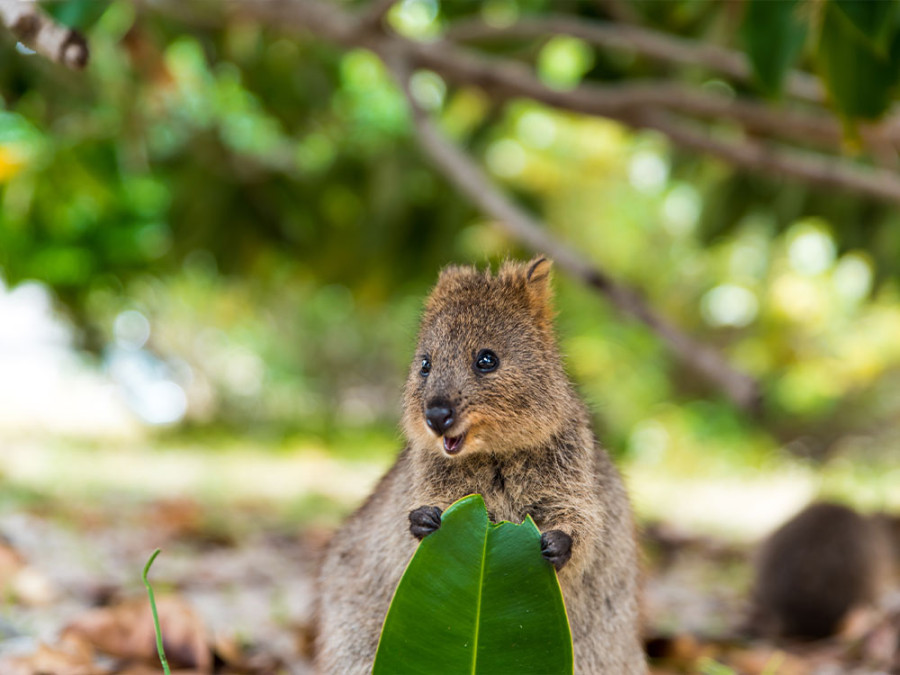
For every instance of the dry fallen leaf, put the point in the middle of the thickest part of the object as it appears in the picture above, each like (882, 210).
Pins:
(305, 639)
(176, 518)
(72, 656)
(11, 561)
(144, 669)
(126, 632)
(21, 583)
(765, 659)
(242, 658)
(32, 588)
(880, 647)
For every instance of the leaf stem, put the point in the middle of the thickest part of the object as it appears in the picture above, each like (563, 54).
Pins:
(159, 642)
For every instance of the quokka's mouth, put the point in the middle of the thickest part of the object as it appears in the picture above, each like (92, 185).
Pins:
(453, 444)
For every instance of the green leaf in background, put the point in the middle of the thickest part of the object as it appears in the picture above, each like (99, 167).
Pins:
(773, 34)
(859, 78)
(80, 14)
(876, 20)
(477, 597)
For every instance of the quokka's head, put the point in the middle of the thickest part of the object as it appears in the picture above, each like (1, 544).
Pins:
(486, 376)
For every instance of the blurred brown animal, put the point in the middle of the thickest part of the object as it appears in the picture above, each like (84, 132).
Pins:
(818, 567)
(489, 409)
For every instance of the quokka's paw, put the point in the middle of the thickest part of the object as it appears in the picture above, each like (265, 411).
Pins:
(556, 547)
(424, 520)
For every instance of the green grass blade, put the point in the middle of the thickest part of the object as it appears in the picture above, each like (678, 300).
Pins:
(159, 642)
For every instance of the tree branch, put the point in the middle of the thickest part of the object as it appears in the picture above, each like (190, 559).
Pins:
(504, 79)
(641, 107)
(36, 30)
(809, 167)
(620, 10)
(649, 43)
(374, 14)
(781, 122)
(469, 178)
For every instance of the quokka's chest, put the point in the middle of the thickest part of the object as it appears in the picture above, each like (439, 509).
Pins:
(507, 496)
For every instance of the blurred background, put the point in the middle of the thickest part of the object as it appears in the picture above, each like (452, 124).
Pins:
(215, 241)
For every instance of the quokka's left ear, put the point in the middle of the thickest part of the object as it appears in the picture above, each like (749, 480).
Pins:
(538, 268)
(537, 284)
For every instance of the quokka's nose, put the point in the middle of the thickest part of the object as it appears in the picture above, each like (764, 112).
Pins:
(439, 418)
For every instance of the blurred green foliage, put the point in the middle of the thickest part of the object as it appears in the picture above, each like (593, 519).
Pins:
(259, 198)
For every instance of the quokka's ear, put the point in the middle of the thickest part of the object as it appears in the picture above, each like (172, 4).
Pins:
(538, 268)
(451, 275)
(537, 283)
(450, 279)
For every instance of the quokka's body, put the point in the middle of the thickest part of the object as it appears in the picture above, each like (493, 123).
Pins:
(489, 409)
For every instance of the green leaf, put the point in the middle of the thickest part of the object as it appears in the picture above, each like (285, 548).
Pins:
(773, 36)
(80, 14)
(875, 20)
(859, 79)
(477, 597)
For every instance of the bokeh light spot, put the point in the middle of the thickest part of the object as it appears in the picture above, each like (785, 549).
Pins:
(648, 442)
(537, 129)
(505, 158)
(131, 329)
(648, 172)
(811, 250)
(729, 305)
(681, 210)
(852, 277)
(428, 89)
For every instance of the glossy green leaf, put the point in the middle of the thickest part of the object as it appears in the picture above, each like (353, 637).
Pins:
(477, 597)
(859, 78)
(773, 34)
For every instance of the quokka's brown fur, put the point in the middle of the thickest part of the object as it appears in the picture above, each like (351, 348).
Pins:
(528, 448)
(819, 566)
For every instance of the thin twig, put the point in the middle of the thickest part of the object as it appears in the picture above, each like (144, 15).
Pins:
(649, 43)
(374, 14)
(777, 161)
(38, 31)
(472, 181)
(620, 10)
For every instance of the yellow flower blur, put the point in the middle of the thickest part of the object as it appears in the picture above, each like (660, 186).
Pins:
(12, 161)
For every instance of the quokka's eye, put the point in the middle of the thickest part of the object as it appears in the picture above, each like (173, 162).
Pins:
(426, 368)
(486, 361)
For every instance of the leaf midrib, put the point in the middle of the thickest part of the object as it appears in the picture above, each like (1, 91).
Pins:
(478, 602)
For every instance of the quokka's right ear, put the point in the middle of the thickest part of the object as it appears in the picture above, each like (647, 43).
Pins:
(450, 273)
(450, 280)
(450, 276)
